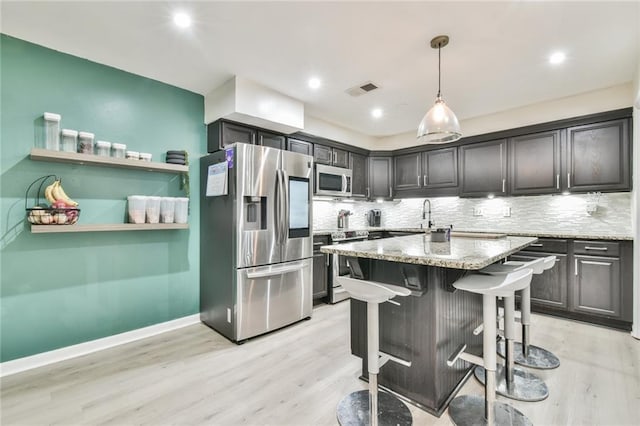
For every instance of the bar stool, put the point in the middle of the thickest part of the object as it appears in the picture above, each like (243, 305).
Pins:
(511, 381)
(368, 407)
(473, 409)
(524, 353)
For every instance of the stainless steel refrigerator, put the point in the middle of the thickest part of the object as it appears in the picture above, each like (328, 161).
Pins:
(256, 246)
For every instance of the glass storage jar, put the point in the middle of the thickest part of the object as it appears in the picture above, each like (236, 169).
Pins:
(69, 141)
(52, 131)
(103, 148)
(85, 142)
(118, 150)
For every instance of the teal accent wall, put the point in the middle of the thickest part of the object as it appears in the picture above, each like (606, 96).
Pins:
(62, 289)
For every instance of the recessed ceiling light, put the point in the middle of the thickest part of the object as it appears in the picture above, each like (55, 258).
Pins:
(557, 58)
(182, 20)
(376, 112)
(314, 83)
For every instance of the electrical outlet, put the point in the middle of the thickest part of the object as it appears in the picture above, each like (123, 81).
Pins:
(478, 211)
(506, 212)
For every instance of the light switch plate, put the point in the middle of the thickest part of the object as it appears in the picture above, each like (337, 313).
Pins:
(506, 212)
(478, 211)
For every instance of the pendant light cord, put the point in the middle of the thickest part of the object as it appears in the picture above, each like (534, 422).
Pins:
(439, 49)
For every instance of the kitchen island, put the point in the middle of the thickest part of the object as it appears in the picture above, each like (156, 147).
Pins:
(426, 327)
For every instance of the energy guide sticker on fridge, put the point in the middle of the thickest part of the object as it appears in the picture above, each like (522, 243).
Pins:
(217, 179)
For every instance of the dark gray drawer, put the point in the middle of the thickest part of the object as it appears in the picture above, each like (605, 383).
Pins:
(548, 245)
(596, 248)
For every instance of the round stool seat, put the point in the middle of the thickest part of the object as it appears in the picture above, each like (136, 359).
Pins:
(371, 291)
(495, 285)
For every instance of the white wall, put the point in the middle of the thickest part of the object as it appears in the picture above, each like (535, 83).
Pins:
(611, 98)
(318, 127)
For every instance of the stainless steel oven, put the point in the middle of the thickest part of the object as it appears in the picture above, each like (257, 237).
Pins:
(340, 265)
(333, 181)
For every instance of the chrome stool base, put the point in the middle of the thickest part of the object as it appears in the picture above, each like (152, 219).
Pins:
(525, 386)
(468, 410)
(538, 357)
(353, 410)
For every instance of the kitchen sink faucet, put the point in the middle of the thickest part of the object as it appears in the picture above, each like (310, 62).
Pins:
(424, 214)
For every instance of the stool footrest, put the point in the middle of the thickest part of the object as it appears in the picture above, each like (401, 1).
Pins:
(460, 353)
(385, 357)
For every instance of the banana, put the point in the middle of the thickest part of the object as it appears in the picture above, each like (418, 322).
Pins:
(59, 194)
(48, 193)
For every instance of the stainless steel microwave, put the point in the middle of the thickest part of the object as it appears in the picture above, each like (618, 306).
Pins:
(334, 181)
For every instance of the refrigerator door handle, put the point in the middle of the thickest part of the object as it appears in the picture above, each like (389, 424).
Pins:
(267, 271)
(277, 207)
(285, 204)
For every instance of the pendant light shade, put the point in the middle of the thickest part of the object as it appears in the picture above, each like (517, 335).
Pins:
(439, 124)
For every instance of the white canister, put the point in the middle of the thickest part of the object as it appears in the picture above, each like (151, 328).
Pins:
(145, 156)
(69, 142)
(153, 209)
(167, 209)
(137, 208)
(118, 150)
(85, 142)
(103, 148)
(52, 130)
(182, 210)
(133, 155)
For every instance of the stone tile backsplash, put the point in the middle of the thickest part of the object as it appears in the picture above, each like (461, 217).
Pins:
(542, 213)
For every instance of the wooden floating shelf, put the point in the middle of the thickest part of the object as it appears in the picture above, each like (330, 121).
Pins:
(40, 154)
(106, 227)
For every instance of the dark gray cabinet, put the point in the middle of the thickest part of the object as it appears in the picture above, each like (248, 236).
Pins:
(598, 157)
(483, 168)
(407, 172)
(534, 164)
(591, 281)
(271, 140)
(549, 288)
(440, 169)
(302, 147)
(360, 175)
(380, 177)
(221, 134)
(332, 156)
(320, 267)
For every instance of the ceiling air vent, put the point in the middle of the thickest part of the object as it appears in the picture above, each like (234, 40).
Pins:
(362, 89)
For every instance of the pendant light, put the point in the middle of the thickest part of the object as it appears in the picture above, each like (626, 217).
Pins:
(439, 124)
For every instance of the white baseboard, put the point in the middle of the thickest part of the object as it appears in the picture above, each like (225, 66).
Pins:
(57, 355)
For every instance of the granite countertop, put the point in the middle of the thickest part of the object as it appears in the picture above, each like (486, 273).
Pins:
(459, 253)
(540, 234)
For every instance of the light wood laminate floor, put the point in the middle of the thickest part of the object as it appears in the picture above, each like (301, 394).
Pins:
(296, 376)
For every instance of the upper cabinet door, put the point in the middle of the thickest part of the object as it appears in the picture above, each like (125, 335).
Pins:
(302, 147)
(340, 158)
(598, 157)
(484, 168)
(380, 177)
(322, 154)
(440, 168)
(232, 133)
(407, 173)
(272, 140)
(360, 178)
(534, 166)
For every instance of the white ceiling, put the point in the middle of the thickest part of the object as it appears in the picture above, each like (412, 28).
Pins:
(496, 60)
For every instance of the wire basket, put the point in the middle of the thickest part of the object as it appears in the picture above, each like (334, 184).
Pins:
(42, 214)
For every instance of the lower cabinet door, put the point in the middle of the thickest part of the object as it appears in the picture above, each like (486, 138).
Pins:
(597, 286)
(549, 288)
(320, 275)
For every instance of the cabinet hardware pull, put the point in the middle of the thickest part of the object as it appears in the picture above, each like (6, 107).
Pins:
(424, 181)
(418, 182)
(558, 181)
(390, 195)
(568, 180)
(503, 184)
(326, 256)
(393, 302)
(595, 248)
(335, 157)
(575, 267)
(368, 194)
(536, 245)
